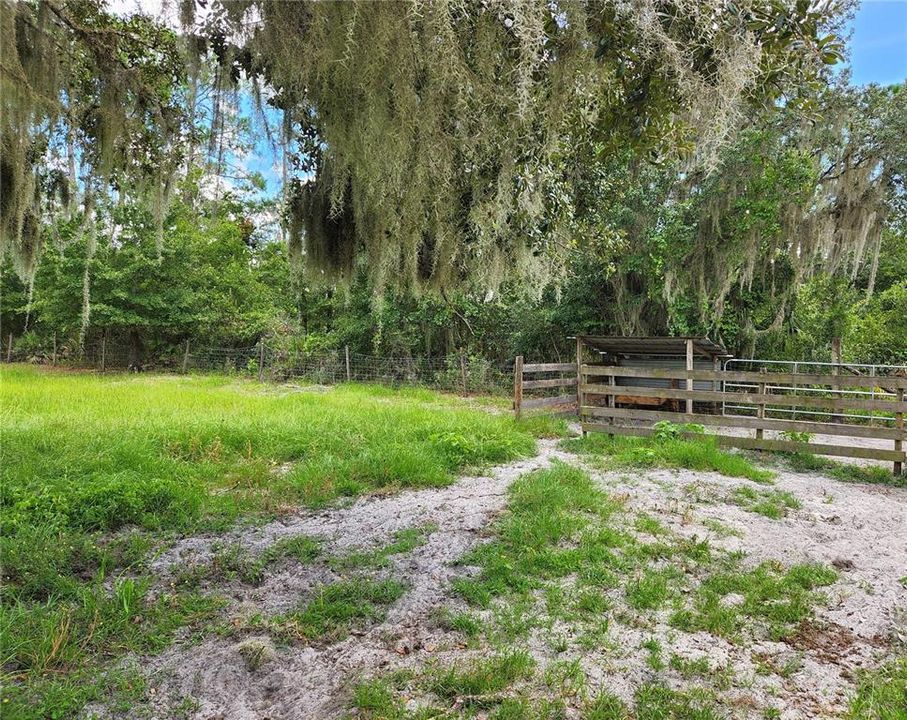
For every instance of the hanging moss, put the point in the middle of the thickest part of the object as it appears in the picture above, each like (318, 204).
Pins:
(443, 128)
(102, 87)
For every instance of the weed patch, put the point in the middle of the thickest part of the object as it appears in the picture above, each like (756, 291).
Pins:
(700, 453)
(338, 607)
(774, 504)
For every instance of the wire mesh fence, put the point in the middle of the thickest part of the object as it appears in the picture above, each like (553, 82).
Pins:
(460, 373)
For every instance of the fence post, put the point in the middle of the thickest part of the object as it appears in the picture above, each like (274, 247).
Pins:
(346, 353)
(796, 387)
(9, 349)
(186, 358)
(899, 424)
(261, 360)
(53, 358)
(760, 411)
(579, 379)
(689, 407)
(517, 385)
(463, 370)
(104, 350)
(872, 395)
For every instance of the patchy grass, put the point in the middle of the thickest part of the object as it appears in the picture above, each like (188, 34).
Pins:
(336, 608)
(87, 457)
(472, 682)
(403, 542)
(700, 453)
(570, 566)
(846, 472)
(51, 651)
(774, 504)
(733, 599)
(232, 561)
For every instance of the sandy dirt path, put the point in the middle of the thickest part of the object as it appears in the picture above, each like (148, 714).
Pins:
(861, 529)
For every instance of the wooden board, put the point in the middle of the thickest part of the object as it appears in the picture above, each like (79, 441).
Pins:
(555, 382)
(836, 403)
(549, 401)
(844, 429)
(763, 444)
(549, 367)
(890, 382)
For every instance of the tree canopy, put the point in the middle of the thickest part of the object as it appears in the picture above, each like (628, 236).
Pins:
(640, 166)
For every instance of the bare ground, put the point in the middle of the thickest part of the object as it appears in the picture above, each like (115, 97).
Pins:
(860, 529)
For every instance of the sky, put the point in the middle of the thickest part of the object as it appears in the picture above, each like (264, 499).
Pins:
(879, 42)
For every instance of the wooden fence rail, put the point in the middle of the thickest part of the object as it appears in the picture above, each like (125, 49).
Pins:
(607, 400)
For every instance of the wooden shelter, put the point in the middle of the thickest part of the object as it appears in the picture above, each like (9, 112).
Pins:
(667, 353)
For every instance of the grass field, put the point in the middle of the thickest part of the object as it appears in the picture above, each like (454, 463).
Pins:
(85, 456)
(139, 555)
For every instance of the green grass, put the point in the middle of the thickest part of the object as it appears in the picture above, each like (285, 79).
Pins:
(778, 598)
(700, 453)
(472, 682)
(881, 693)
(87, 457)
(340, 606)
(403, 542)
(846, 472)
(774, 504)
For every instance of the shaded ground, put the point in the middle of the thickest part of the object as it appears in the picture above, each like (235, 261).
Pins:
(266, 662)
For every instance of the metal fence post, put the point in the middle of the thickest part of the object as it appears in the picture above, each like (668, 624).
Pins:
(104, 351)
(261, 361)
(186, 358)
(346, 353)
(9, 349)
(463, 370)
(53, 358)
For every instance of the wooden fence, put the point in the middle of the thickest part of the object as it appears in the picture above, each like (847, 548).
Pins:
(609, 401)
(563, 402)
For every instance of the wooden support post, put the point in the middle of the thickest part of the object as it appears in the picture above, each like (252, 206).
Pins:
(899, 424)
(463, 370)
(9, 349)
(104, 351)
(517, 386)
(795, 386)
(186, 358)
(53, 358)
(346, 356)
(689, 380)
(261, 360)
(579, 379)
(872, 396)
(836, 370)
(760, 412)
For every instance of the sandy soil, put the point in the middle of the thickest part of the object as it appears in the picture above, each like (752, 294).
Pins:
(861, 529)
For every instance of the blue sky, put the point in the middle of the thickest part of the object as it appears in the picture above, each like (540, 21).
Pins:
(879, 42)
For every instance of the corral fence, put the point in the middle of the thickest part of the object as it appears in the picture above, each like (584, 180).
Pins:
(458, 373)
(861, 412)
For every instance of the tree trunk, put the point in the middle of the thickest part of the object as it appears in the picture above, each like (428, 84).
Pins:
(135, 350)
